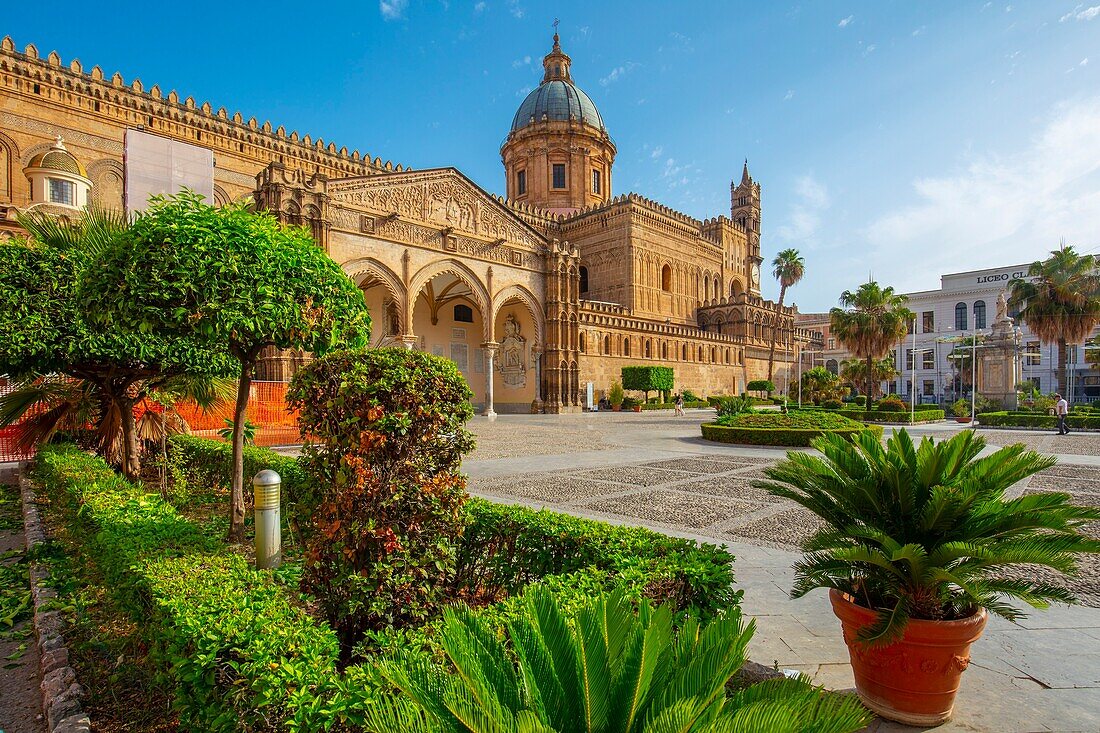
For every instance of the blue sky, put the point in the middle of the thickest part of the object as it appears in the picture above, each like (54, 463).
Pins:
(908, 139)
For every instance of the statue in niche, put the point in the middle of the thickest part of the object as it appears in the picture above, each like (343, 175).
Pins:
(513, 354)
(387, 335)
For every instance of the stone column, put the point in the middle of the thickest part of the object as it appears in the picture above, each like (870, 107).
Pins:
(490, 353)
(408, 340)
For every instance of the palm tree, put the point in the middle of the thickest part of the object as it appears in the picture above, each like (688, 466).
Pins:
(854, 372)
(873, 319)
(605, 669)
(788, 267)
(1060, 301)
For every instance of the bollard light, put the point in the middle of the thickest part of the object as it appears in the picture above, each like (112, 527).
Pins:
(266, 487)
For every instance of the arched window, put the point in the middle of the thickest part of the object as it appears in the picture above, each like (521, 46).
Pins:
(666, 279)
(626, 347)
(960, 317)
(700, 353)
(464, 314)
(584, 279)
(607, 344)
(735, 289)
(584, 343)
(684, 352)
(717, 287)
(647, 348)
(832, 366)
(713, 354)
(664, 350)
(979, 314)
(727, 356)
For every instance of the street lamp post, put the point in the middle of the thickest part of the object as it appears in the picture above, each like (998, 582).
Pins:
(913, 378)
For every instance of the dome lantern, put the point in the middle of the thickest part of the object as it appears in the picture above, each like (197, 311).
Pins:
(58, 178)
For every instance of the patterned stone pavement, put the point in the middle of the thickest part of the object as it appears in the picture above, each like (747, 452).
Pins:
(1039, 674)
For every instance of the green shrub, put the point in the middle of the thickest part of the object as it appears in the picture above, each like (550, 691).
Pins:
(729, 406)
(615, 395)
(209, 464)
(690, 396)
(1080, 421)
(927, 415)
(504, 548)
(832, 404)
(795, 428)
(648, 379)
(860, 399)
(389, 429)
(629, 403)
(891, 404)
(671, 405)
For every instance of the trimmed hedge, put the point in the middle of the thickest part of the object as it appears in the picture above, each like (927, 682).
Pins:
(239, 654)
(671, 405)
(794, 437)
(1033, 420)
(889, 416)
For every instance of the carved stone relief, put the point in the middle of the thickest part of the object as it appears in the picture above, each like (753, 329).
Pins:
(513, 354)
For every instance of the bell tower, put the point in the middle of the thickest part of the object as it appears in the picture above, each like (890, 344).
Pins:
(558, 154)
(745, 211)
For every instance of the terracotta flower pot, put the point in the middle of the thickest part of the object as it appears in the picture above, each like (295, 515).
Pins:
(915, 680)
(962, 419)
(637, 408)
(616, 408)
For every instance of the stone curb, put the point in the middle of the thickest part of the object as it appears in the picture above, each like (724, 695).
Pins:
(61, 693)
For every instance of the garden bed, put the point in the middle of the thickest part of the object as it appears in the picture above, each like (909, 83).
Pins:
(238, 645)
(795, 429)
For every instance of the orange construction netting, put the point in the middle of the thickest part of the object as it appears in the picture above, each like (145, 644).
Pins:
(267, 410)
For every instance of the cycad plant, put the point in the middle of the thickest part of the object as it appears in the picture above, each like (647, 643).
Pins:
(925, 532)
(606, 669)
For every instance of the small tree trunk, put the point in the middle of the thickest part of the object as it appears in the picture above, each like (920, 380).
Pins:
(164, 454)
(1063, 370)
(240, 415)
(778, 310)
(131, 450)
(870, 385)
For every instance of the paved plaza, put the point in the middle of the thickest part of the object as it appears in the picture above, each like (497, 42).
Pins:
(653, 469)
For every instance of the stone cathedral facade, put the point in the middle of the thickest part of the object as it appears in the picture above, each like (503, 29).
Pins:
(534, 294)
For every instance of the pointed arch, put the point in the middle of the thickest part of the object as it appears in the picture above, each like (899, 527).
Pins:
(517, 292)
(451, 267)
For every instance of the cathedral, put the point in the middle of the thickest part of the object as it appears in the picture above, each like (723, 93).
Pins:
(539, 296)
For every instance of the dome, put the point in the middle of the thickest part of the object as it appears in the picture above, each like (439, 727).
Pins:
(59, 159)
(557, 100)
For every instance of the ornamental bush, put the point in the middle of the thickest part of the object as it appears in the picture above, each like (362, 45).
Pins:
(761, 385)
(795, 428)
(389, 437)
(891, 404)
(832, 404)
(648, 379)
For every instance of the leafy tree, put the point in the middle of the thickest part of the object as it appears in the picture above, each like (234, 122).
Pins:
(648, 379)
(854, 372)
(926, 532)
(1060, 301)
(761, 385)
(604, 670)
(51, 339)
(788, 267)
(390, 435)
(872, 320)
(236, 279)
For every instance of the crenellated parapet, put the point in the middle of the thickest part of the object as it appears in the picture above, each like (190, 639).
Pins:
(134, 104)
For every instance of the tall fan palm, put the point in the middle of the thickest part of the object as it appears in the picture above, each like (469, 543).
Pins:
(1060, 301)
(926, 532)
(873, 319)
(788, 267)
(608, 669)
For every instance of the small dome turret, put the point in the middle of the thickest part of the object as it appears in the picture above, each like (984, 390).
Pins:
(58, 178)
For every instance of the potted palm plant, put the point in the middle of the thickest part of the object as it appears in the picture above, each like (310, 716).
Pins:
(615, 396)
(918, 548)
(961, 409)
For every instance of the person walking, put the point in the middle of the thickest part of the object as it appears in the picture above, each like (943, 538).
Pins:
(1061, 409)
(680, 405)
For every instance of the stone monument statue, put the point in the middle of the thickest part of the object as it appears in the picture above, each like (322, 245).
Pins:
(999, 359)
(513, 355)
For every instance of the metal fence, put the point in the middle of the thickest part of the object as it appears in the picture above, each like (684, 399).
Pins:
(267, 409)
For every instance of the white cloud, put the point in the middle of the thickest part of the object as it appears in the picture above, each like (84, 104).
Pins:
(521, 62)
(1081, 13)
(617, 73)
(515, 9)
(804, 220)
(523, 91)
(789, 95)
(845, 22)
(1084, 61)
(480, 7)
(919, 31)
(870, 49)
(1002, 208)
(657, 152)
(392, 9)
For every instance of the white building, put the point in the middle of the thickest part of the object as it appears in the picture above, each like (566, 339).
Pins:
(966, 301)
